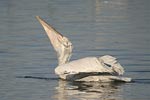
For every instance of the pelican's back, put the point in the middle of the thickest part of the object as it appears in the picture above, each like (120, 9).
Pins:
(89, 66)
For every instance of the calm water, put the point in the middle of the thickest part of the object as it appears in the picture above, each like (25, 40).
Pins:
(96, 27)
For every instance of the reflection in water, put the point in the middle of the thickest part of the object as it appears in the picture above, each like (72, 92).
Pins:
(86, 91)
(97, 7)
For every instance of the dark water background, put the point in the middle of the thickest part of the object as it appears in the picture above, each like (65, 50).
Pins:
(96, 27)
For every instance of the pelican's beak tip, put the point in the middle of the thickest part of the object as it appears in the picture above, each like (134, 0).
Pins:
(37, 17)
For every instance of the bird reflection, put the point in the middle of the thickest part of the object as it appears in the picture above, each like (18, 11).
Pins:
(87, 91)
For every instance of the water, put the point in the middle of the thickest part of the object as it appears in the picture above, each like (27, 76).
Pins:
(96, 27)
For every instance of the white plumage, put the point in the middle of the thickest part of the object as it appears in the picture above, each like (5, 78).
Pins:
(102, 69)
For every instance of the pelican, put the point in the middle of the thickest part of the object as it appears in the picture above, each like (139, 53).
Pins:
(101, 69)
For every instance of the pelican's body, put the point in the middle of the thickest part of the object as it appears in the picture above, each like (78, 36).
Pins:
(102, 69)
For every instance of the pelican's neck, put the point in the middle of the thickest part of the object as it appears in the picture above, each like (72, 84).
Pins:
(64, 58)
(64, 54)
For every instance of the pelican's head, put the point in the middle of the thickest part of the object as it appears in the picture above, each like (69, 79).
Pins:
(61, 44)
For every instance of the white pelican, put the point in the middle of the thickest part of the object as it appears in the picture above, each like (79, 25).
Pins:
(101, 69)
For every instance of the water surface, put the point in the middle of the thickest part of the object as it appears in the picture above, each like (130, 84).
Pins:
(96, 27)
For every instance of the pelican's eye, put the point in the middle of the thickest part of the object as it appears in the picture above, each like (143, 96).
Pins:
(66, 42)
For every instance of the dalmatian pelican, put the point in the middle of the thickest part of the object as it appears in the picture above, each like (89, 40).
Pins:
(102, 69)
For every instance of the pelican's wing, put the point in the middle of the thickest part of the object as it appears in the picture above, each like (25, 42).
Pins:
(90, 67)
(104, 64)
(85, 65)
(112, 62)
(94, 76)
